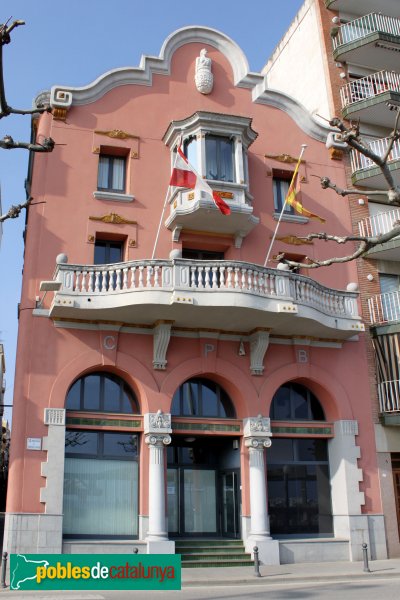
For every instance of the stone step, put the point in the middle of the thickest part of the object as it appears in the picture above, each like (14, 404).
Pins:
(207, 549)
(195, 564)
(210, 556)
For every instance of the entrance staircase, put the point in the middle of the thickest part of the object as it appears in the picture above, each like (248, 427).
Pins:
(212, 553)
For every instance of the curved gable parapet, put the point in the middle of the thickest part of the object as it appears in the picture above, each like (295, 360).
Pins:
(63, 97)
(294, 109)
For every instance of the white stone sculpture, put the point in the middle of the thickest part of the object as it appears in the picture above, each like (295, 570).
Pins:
(203, 78)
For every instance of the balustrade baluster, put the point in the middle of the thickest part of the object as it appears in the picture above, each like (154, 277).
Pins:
(97, 281)
(237, 277)
(77, 280)
(90, 285)
(214, 278)
(104, 277)
(133, 277)
(230, 273)
(141, 276)
(83, 281)
(207, 278)
(118, 279)
(222, 276)
(193, 277)
(125, 282)
(148, 277)
(156, 276)
(244, 271)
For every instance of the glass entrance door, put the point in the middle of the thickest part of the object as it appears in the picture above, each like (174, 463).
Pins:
(230, 504)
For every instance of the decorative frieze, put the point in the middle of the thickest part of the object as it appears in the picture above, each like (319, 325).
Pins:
(157, 423)
(257, 432)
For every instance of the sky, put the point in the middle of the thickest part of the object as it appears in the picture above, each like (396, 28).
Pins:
(72, 43)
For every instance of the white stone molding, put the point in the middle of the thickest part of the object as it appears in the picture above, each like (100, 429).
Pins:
(60, 97)
(54, 416)
(176, 233)
(203, 78)
(259, 342)
(239, 237)
(53, 468)
(143, 75)
(114, 196)
(161, 338)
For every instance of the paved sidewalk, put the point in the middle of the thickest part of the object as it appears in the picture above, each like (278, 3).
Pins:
(298, 573)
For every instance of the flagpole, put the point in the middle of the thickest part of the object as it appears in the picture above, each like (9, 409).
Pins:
(159, 225)
(303, 147)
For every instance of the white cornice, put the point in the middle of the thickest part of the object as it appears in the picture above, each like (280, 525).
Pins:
(149, 65)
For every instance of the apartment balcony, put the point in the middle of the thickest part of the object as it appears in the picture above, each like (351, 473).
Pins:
(387, 7)
(372, 40)
(384, 308)
(389, 397)
(369, 98)
(210, 295)
(366, 173)
(377, 225)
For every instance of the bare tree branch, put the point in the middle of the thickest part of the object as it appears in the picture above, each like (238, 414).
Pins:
(7, 143)
(14, 211)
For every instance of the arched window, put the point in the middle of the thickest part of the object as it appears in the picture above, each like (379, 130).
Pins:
(299, 497)
(102, 392)
(295, 402)
(101, 474)
(200, 397)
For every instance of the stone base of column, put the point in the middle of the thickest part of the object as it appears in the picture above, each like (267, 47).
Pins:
(268, 549)
(160, 547)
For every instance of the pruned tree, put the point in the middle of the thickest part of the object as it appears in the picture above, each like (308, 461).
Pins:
(8, 143)
(351, 136)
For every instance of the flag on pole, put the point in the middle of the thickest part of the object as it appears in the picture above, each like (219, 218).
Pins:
(293, 197)
(184, 176)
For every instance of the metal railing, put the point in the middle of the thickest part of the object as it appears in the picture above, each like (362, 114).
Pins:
(379, 147)
(204, 276)
(379, 224)
(389, 396)
(360, 28)
(384, 308)
(369, 87)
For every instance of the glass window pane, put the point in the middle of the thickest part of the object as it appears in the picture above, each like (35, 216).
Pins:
(190, 399)
(300, 406)
(91, 392)
(190, 150)
(73, 397)
(100, 253)
(200, 501)
(211, 158)
(209, 399)
(311, 449)
(81, 442)
(173, 500)
(120, 444)
(118, 172)
(317, 412)
(280, 407)
(100, 497)
(281, 450)
(226, 160)
(115, 252)
(128, 405)
(103, 172)
(112, 393)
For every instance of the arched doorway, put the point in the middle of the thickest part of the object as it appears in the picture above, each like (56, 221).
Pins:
(101, 475)
(203, 486)
(299, 495)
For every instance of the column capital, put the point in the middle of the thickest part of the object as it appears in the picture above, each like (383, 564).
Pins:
(257, 432)
(158, 439)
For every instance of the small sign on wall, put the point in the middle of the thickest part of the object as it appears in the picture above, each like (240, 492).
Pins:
(33, 443)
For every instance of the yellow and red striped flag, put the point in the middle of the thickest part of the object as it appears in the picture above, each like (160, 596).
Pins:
(293, 197)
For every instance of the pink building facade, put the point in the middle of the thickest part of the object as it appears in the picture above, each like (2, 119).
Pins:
(181, 390)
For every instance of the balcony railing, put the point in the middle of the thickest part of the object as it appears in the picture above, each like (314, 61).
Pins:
(360, 28)
(369, 87)
(204, 277)
(384, 308)
(389, 396)
(380, 223)
(379, 147)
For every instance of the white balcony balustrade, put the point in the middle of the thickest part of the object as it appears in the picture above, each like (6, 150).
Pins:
(360, 162)
(389, 396)
(380, 223)
(369, 87)
(384, 308)
(234, 296)
(360, 28)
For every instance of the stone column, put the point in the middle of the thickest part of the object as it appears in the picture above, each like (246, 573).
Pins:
(257, 434)
(157, 429)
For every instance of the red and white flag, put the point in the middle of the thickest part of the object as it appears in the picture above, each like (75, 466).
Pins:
(184, 176)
